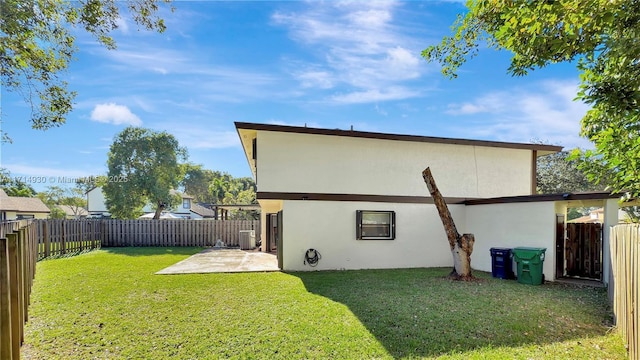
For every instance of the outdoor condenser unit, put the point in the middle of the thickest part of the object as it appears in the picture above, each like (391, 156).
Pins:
(247, 239)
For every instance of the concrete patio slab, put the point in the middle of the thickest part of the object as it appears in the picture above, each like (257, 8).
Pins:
(223, 261)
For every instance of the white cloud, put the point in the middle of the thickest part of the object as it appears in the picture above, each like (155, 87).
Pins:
(316, 79)
(489, 103)
(357, 45)
(380, 110)
(374, 95)
(546, 112)
(112, 113)
(122, 24)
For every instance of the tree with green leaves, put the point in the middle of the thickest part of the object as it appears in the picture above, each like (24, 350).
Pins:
(196, 182)
(558, 173)
(602, 37)
(38, 43)
(14, 186)
(144, 167)
(54, 196)
(632, 214)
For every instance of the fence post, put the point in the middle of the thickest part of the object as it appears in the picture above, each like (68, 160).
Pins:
(6, 340)
(14, 293)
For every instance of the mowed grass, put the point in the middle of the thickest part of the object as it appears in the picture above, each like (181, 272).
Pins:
(108, 304)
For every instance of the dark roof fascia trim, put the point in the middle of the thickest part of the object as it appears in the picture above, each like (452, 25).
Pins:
(262, 195)
(544, 197)
(397, 137)
(246, 155)
(354, 197)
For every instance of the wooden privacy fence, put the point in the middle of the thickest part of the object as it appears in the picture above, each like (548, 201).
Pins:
(65, 237)
(583, 250)
(174, 232)
(624, 284)
(18, 256)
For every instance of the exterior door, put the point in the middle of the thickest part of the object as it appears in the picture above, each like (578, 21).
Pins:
(272, 232)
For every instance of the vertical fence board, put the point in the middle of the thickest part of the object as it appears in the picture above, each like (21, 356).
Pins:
(625, 256)
(19, 251)
(6, 340)
(15, 289)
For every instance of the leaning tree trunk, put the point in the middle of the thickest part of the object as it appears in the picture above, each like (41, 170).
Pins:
(159, 210)
(461, 245)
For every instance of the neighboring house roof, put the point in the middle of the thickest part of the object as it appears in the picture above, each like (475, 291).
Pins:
(202, 211)
(165, 215)
(597, 216)
(239, 207)
(73, 211)
(22, 204)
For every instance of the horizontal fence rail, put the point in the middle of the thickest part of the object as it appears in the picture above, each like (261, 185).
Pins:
(625, 287)
(18, 256)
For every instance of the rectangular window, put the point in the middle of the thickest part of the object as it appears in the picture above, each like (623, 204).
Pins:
(186, 203)
(375, 225)
(24, 216)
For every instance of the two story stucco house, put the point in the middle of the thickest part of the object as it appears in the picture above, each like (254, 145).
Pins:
(358, 198)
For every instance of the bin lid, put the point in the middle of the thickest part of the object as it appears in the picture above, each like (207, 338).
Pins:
(525, 248)
(529, 253)
(499, 250)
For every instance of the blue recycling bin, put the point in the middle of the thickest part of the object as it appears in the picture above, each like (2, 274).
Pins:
(501, 263)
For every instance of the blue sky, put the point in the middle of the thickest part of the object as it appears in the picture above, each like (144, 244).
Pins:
(325, 64)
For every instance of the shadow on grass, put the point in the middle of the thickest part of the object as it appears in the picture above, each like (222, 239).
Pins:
(147, 251)
(418, 312)
(67, 254)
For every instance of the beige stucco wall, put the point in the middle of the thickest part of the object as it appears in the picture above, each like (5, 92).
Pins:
(509, 226)
(12, 215)
(290, 162)
(330, 228)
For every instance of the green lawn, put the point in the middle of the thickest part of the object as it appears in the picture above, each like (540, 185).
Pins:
(109, 304)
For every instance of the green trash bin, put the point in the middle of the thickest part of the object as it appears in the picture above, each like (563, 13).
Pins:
(529, 262)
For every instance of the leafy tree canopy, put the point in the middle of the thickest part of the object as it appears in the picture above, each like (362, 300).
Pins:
(55, 195)
(143, 167)
(215, 187)
(558, 173)
(196, 182)
(13, 186)
(601, 36)
(37, 43)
